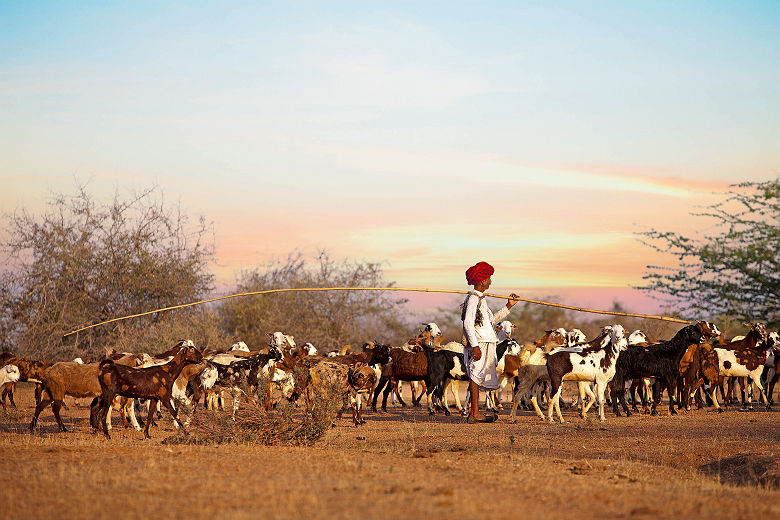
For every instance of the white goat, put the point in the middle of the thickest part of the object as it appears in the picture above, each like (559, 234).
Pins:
(9, 374)
(239, 346)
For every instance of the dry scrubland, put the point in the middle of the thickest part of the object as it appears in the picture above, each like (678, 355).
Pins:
(400, 465)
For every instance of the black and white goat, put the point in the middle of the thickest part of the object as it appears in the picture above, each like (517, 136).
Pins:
(595, 364)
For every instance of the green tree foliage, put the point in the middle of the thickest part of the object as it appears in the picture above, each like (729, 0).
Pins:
(326, 319)
(82, 261)
(733, 271)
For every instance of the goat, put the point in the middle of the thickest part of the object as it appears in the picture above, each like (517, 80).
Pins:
(773, 366)
(65, 378)
(591, 364)
(504, 348)
(373, 354)
(61, 379)
(402, 366)
(153, 383)
(9, 374)
(282, 341)
(746, 358)
(504, 330)
(661, 361)
(529, 368)
(239, 346)
(699, 362)
(29, 370)
(192, 381)
(446, 365)
(245, 374)
(574, 337)
(309, 349)
(346, 381)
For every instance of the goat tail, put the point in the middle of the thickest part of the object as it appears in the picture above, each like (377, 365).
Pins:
(105, 367)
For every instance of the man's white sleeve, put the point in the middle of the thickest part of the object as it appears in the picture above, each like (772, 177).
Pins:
(468, 321)
(500, 315)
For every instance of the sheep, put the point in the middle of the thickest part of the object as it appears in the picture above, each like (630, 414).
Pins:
(153, 383)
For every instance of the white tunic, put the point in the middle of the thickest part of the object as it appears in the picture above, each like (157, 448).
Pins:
(483, 370)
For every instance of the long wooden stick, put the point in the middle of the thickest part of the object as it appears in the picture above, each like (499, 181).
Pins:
(407, 289)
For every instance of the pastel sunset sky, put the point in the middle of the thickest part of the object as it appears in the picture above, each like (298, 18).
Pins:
(538, 136)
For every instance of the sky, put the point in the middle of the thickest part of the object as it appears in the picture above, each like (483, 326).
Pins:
(539, 136)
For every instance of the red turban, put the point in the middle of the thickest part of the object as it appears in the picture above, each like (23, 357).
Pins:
(478, 272)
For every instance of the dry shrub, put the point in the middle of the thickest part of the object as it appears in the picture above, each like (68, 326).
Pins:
(286, 425)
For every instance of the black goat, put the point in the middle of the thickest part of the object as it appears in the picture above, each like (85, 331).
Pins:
(661, 361)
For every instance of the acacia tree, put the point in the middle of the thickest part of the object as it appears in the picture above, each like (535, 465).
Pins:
(326, 319)
(83, 261)
(734, 271)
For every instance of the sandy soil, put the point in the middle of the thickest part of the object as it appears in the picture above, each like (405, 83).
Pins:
(399, 464)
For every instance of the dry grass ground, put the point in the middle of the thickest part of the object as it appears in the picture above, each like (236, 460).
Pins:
(399, 465)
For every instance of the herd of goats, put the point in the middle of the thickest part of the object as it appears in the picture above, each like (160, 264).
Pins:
(692, 367)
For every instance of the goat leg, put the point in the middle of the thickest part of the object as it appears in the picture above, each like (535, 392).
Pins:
(150, 416)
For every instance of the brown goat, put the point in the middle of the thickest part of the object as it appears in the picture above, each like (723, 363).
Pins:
(65, 378)
(29, 370)
(403, 366)
(371, 355)
(153, 383)
(700, 362)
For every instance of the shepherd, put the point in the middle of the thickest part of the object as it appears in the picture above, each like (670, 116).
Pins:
(479, 356)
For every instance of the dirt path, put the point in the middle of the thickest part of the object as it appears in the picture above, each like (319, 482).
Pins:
(398, 465)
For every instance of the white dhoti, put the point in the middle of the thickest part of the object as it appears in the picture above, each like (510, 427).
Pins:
(483, 370)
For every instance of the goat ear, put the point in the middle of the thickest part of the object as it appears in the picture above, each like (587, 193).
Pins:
(549, 331)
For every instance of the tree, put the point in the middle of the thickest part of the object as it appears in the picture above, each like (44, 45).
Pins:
(82, 261)
(734, 271)
(326, 319)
